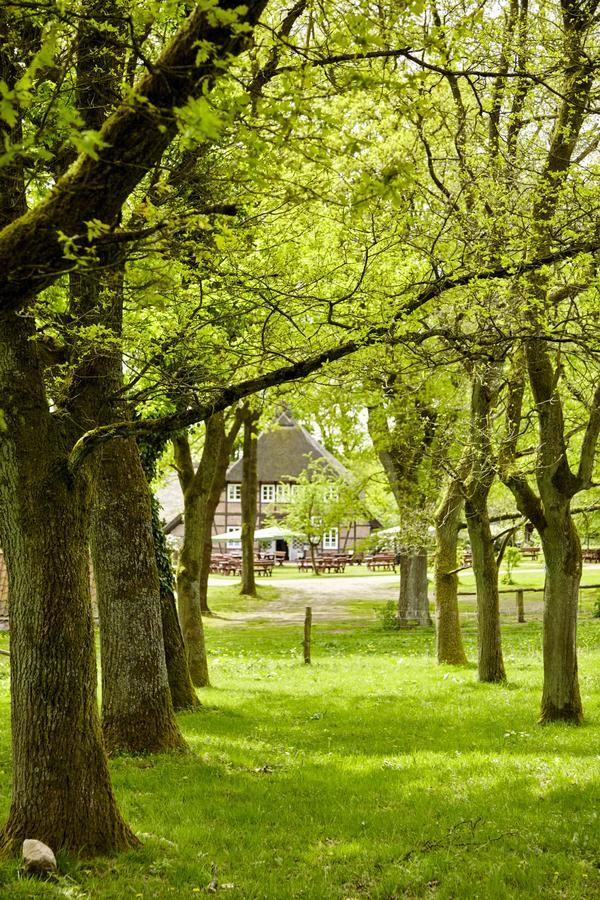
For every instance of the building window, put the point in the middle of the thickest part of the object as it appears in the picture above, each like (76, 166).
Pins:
(332, 493)
(282, 493)
(267, 493)
(330, 539)
(234, 493)
(233, 545)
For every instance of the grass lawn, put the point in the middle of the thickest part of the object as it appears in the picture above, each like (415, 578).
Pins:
(374, 773)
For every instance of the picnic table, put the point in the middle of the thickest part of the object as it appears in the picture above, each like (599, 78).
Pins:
(264, 567)
(530, 552)
(381, 561)
(323, 564)
(591, 555)
(225, 565)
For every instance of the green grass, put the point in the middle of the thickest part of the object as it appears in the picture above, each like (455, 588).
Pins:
(374, 773)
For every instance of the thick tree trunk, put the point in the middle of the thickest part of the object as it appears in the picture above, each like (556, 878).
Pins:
(413, 601)
(447, 519)
(249, 493)
(61, 787)
(490, 661)
(137, 711)
(561, 699)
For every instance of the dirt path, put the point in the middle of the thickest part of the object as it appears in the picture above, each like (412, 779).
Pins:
(327, 596)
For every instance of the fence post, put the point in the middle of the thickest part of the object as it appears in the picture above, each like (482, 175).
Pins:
(520, 606)
(307, 628)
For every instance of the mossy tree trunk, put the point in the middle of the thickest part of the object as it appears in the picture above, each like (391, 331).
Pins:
(61, 786)
(450, 647)
(561, 699)
(202, 489)
(136, 702)
(249, 497)
(137, 711)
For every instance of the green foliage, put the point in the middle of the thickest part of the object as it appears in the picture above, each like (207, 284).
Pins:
(388, 616)
(321, 500)
(512, 559)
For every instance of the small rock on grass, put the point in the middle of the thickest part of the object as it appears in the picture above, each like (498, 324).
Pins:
(38, 858)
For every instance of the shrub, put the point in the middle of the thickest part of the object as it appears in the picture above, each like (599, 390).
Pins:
(388, 616)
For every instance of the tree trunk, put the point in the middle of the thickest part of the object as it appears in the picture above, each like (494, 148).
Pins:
(561, 699)
(447, 519)
(188, 593)
(183, 695)
(413, 601)
(484, 396)
(137, 712)
(313, 557)
(490, 661)
(249, 494)
(201, 492)
(61, 786)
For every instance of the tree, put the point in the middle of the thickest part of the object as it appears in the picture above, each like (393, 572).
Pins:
(249, 495)
(320, 501)
(201, 487)
(53, 673)
(183, 695)
(447, 525)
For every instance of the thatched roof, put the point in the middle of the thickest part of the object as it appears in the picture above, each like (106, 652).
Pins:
(285, 452)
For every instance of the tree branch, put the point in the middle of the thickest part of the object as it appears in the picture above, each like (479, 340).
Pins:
(296, 371)
(134, 139)
(590, 442)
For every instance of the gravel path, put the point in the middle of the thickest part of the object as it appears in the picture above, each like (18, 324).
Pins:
(327, 596)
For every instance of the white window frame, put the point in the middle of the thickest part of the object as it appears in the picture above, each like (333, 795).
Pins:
(234, 493)
(283, 493)
(267, 493)
(331, 539)
(233, 545)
